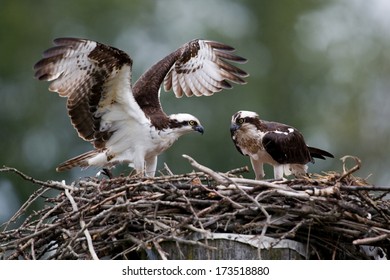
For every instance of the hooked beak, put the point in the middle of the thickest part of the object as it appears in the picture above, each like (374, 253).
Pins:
(198, 128)
(234, 127)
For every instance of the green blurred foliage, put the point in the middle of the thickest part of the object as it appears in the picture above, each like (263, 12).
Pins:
(321, 66)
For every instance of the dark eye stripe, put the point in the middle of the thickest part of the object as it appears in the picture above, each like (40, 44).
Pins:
(240, 120)
(191, 123)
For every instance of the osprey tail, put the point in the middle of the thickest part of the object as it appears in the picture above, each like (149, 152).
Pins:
(318, 153)
(81, 161)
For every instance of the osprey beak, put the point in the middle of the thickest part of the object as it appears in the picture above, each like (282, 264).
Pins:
(234, 127)
(199, 128)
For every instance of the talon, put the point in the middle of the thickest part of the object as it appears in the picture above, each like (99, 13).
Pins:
(107, 172)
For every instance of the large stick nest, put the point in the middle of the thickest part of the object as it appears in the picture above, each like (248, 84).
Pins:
(332, 214)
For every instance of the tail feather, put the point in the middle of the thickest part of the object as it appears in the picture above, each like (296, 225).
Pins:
(80, 161)
(318, 153)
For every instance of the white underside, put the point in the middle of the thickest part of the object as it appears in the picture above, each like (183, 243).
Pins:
(137, 145)
(135, 141)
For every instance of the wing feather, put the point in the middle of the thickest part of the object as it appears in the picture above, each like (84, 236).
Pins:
(208, 82)
(183, 85)
(190, 83)
(175, 83)
(202, 85)
(207, 63)
(96, 79)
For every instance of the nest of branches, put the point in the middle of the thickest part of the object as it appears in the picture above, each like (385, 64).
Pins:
(335, 215)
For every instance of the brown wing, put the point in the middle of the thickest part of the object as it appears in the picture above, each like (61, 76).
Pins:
(285, 144)
(198, 67)
(96, 79)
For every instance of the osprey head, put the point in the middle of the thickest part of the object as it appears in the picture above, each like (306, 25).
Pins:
(184, 123)
(242, 117)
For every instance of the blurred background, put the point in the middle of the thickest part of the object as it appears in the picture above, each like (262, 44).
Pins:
(320, 66)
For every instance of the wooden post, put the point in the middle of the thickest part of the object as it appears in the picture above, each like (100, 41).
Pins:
(235, 247)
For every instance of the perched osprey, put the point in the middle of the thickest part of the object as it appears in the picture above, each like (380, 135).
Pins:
(126, 123)
(277, 144)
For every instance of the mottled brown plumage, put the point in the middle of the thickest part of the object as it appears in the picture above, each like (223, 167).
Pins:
(273, 143)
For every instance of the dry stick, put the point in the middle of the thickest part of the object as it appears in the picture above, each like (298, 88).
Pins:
(82, 225)
(22, 239)
(361, 220)
(217, 177)
(373, 204)
(28, 238)
(347, 172)
(260, 183)
(291, 232)
(295, 194)
(235, 204)
(194, 213)
(107, 199)
(72, 252)
(370, 240)
(223, 179)
(206, 210)
(47, 214)
(168, 169)
(214, 219)
(19, 250)
(239, 170)
(160, 251)
(346, 188)
(25, 205)
(50, 184)
(117, 231)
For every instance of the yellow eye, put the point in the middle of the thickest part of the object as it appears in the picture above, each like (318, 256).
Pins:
(192, 123)
(240, 121)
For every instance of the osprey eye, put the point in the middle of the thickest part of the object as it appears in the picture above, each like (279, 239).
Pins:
(240, 121)
(192, 123)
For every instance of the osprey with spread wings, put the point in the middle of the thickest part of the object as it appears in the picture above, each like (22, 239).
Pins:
(125, 122)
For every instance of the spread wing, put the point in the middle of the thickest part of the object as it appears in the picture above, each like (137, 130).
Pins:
(202, 68)
(96, 79)
(285, 144)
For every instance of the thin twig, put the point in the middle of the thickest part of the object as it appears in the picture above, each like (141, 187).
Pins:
(82, 225)
(26, 205)
(49, 184)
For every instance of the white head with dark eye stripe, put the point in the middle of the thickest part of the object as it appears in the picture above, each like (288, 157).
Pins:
(183, 123)
(242, 117)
